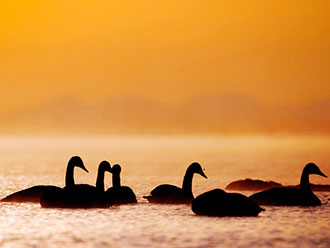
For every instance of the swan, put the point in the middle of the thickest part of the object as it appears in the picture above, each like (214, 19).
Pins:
(286, 196)
(34, 193)
(220, 203)
(78, 195)
(166, 193)
(118, 194)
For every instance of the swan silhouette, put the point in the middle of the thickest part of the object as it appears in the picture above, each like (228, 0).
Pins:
(219, 203)
(118, 194)
(170, 194)
(78, 195)
(33, 194)
(285, 196)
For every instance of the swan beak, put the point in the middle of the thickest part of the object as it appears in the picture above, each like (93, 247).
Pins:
(321, 174)
(84, 168)
(202, 174)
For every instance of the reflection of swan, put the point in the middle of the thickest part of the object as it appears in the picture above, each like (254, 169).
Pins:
(118, 194)
(78, 195)
(166, 193)
(291, 196)
(34, 193)
(219, 203)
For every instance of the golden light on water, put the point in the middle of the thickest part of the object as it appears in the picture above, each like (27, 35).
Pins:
(147, 162)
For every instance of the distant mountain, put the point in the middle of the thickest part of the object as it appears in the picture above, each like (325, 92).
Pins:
(212, 114)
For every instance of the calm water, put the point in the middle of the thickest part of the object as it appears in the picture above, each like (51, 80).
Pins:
(148, 162)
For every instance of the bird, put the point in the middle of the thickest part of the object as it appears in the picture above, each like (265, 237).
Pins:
(170, 194)
(118, 194)
(286, 196)
(79, 195)
(34, 193)
(219, 203)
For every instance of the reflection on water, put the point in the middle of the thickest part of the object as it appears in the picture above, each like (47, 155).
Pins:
(148, 162)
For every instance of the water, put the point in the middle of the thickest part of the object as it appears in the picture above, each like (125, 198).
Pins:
(148, 162)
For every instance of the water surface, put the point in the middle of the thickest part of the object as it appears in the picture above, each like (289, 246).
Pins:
(148, 162)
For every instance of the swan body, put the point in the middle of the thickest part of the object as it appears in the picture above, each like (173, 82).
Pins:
(170, 194)
(118, 194)
(219, 203)
(286, 196)
(33, 194)
(79, 195)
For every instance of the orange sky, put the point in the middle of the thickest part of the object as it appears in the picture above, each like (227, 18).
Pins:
(165, 51)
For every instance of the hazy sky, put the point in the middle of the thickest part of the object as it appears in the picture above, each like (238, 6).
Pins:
(166, 51)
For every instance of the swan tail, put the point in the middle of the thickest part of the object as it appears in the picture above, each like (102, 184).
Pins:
(6, 199)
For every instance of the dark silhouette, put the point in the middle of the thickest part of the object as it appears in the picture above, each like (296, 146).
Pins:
(286, 196)
(219, 203)
(34, 193)
(252, 184)
(78, 195)
(118, 194)
(171, 194)
(256, 185)
(318, 187)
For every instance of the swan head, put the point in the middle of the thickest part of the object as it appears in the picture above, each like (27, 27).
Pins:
(197, 168)
(105, 166)
(312, 168)
(116, 169)
(76, 161)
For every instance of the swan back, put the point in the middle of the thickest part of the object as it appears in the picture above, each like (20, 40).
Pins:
(219, 203)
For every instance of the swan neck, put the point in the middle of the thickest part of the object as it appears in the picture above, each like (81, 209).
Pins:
(116, 180)
(100, 179)
(69, 180)
(304, 181)
(187, 182)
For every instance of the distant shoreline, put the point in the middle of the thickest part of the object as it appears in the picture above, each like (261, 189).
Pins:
(256, 184)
